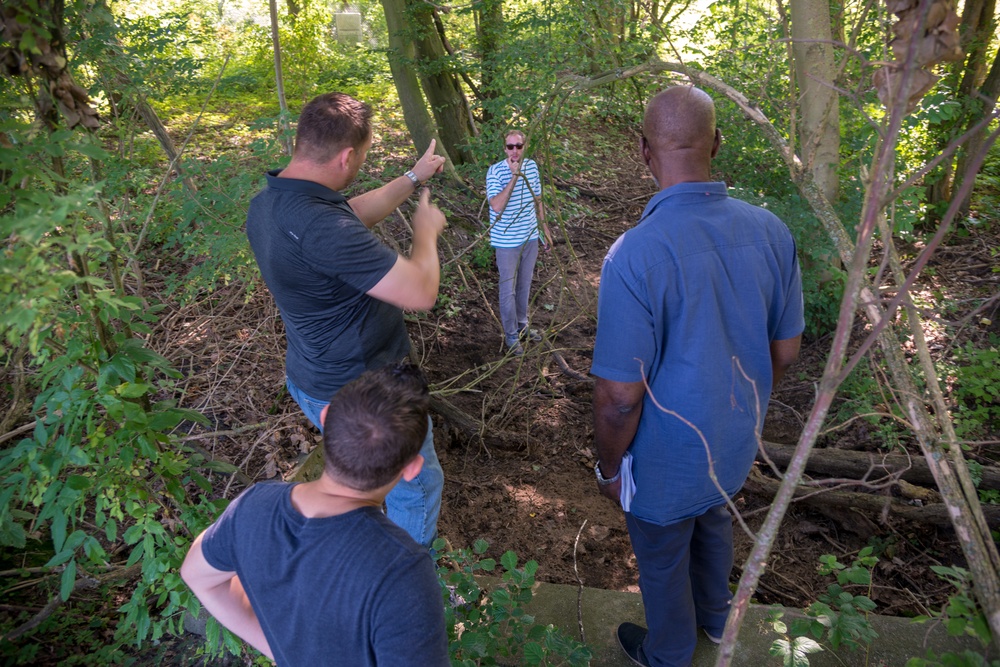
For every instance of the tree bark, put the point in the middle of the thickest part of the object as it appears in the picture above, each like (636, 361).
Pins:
(402, 55)
(977, 31)
(878, 507)
(815, 71)
(442, 88)
(990, 91)
(490, 36)
(286, 139)
(855, 465)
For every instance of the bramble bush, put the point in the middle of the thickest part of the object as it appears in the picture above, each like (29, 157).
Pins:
(488, 625)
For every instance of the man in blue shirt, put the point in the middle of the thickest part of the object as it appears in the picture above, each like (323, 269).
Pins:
(340, 290)
(314, 573)
(699, 315)
(514, 190)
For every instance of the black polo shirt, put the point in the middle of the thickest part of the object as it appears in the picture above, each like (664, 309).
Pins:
(319, 260)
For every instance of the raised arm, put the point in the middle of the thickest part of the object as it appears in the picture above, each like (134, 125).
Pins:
(412, 283)
(498, 202)
(375, 206)
(617, 408)
(223, 596)
(783, 354)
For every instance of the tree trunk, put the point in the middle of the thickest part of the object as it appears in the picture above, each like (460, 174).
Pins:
(286, 138)
(815, 71)
(402, 55)
(990, 90)
(442, 88)
(490, 36)
(977, 31)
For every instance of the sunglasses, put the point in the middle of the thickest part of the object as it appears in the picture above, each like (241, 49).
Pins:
(511, 147)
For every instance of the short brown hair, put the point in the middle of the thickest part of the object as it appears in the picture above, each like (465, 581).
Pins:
(376, 425)
(330, 123)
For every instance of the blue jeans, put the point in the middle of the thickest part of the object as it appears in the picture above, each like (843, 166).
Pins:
(516, 267)
(414, 506)
(684, 578)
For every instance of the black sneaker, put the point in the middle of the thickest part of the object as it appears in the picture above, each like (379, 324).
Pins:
(630, 638)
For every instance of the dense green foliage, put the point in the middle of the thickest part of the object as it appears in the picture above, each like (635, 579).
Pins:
(487, 623)
(100, 489)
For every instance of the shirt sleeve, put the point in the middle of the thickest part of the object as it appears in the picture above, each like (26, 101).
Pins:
(219, 543)
(341, 247)
(409, 624)
(626, 335)
(494, 182)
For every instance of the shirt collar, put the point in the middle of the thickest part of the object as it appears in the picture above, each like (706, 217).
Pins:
(300, 186)
(688, 193)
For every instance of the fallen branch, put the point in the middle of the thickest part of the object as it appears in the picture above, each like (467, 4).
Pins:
(846, 463)
(878, 506)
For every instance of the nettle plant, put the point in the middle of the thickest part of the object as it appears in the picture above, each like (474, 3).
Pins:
(962, 616)
(489, 625)
(838, 618)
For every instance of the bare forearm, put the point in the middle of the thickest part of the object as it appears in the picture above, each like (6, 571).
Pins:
(499, 201)
(376, 205)
(616, 419)
(424, 254)
(229, 604)
(783, 355)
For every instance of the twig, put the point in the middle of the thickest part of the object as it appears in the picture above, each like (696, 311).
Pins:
(579, 581)
(18, 431)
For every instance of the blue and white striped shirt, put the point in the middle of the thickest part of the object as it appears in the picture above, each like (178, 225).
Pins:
(518, 223)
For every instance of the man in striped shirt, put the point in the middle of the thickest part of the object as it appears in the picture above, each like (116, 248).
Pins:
(514, 191)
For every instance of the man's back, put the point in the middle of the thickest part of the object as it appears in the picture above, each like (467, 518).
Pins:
(351, 589)
(696, 291)
(318, 261)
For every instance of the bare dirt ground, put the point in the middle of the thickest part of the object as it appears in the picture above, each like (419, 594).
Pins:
(524, 479)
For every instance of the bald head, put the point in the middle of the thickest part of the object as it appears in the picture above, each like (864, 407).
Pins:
(680, 135)
(680, 118)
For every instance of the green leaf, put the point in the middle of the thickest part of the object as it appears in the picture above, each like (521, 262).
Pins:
(534, 654)
(480, 547)
(58, 531)
(488, 564)
(473, 644)
(68, 580)
(509, 560)
(134, 390)
(133, 534)
(79, 482)
(12, 535)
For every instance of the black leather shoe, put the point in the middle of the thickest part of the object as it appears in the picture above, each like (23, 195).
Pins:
(630, 638)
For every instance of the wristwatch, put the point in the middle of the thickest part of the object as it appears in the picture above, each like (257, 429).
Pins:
(413, 179)
(600, 477)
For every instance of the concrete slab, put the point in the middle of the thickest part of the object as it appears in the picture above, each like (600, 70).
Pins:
(601, 611)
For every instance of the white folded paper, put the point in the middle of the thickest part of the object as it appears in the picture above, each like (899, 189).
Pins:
(628, 484)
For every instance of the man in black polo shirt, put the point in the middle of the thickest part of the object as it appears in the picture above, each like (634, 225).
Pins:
(340, 290)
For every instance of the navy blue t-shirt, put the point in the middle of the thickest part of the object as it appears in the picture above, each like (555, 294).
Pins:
(690, 301)
(319, 260)
(352, 589)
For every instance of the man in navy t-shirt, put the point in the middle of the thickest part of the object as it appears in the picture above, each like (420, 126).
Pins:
(702, 302)
(340, 290)
(314, 573)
